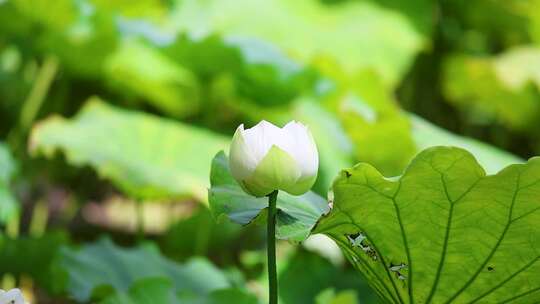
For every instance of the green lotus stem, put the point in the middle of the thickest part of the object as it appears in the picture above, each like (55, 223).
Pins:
(271, 231)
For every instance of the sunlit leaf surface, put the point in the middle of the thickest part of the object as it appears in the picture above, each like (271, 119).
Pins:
(357, 34)
(444, 231)
(140, 70)
(296, 214)
(145, 156)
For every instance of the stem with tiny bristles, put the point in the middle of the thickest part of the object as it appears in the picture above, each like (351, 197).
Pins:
(271, 231)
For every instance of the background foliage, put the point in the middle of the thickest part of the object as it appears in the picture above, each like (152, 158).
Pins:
(111, 112)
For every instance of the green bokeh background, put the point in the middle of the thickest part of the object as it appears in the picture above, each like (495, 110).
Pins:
(111, 112)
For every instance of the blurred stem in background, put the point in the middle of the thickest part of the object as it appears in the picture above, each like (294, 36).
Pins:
(35, 99)
(39, 91)
(30, 109)
(139, 210)
(40, 216)
(271, 230)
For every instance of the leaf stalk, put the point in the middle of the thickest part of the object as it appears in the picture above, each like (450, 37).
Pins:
(271, 239)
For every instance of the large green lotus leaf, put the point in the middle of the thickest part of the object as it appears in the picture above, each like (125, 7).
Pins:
(427, 135)
(140, 70)
(8, 204)
(145, 156)
(358, 34)
(444, 231)
(495, 89)
(296, 214)
(101, 268)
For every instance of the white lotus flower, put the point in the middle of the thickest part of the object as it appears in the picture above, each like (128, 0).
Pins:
(267, 158)
(13, 296)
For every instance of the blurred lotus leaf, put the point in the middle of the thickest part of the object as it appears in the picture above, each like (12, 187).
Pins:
(146, 291)
(73, 30)
(140, 70)
(427, 135)
(261, 71)
(519, 66)
(57, 15)
(102, 268)
(335, 147)
(154, 9)
(161, 290)
(85, 45)
(357, 34)
(502, 89)
(372, 118)
(145, 156)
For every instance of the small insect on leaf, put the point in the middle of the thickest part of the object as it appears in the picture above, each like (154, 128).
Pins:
(397, 267)
(356, 239)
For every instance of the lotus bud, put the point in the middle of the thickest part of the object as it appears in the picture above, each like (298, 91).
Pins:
(267, 158)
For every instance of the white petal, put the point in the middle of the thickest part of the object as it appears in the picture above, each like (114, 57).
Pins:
(241, 160)
(261, 138)
(304, 149)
